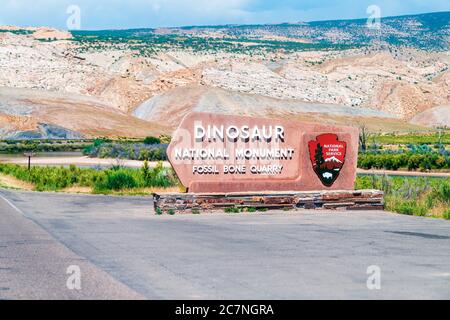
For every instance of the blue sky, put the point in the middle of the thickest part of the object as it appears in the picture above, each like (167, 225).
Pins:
(116, 14)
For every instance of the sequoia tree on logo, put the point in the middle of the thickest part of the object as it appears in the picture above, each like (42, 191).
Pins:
(327, 156)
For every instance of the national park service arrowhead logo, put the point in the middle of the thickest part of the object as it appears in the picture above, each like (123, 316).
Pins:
(327, 156)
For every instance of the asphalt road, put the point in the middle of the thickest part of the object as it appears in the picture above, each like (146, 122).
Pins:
(125, 251)
(33, 265)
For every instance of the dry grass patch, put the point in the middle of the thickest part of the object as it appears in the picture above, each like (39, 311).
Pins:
(439, 211)
(11, 182)
(144, 191)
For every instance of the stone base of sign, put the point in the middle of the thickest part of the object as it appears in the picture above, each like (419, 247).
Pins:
(336, 199)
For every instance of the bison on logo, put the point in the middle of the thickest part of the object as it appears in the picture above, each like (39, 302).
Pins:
(327, 156)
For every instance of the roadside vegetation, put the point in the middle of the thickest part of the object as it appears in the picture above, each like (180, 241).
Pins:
(412, 152)
(406, 161)
(150, 149)
(424, 196)
(437, 137)
(112, 180)
(45, 145)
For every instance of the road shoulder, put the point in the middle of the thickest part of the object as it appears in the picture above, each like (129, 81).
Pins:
(33, 265)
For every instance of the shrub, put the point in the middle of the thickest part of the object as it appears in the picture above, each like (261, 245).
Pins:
(441, 192)
(411, 161)
(126, 150)
(146, 172)
(42, 145)
(446, 214)
(152, 140)
(410, 195)
(144, 154)
(117, 180)
(409, 207)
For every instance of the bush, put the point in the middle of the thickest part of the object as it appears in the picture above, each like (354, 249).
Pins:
(42, 145)
(118, 180)
(441, 193)
(409, 207)
(411, 161)
(57, 178)
(410, 195)
(446, 214)
(152, 140)
(126, 150)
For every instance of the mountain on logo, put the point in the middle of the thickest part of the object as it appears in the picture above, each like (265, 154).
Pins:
(334, 159)
(331, 164)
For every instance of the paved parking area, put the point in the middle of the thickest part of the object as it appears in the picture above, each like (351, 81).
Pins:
(273, 255)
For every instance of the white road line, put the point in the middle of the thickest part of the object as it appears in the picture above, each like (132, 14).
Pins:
(12, 205)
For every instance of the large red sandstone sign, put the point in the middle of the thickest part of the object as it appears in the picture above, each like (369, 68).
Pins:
(225, 153)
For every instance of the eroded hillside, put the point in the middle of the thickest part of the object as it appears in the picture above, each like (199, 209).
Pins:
(136, 83)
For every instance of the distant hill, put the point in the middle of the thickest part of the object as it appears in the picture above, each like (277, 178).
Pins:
(424, 31)
(141, 82)
(428, 31)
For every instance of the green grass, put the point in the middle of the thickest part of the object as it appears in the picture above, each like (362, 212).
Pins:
(102, 181)
(424, 196)
(232, 210)
(243, 209)
(413, 138)
(446, 214)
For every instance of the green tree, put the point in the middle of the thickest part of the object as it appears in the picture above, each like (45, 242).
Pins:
(318, 157)
(152, 140)
(146, 172)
